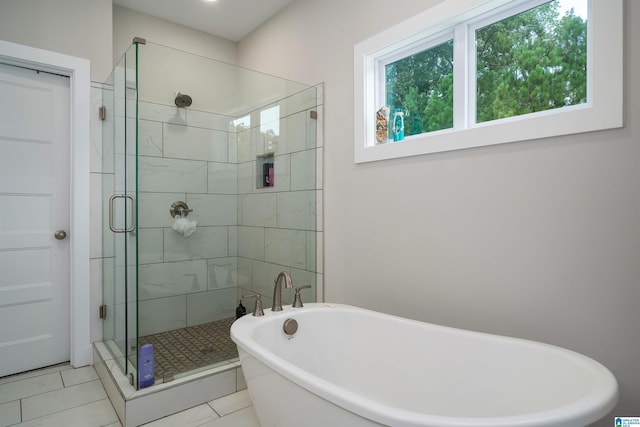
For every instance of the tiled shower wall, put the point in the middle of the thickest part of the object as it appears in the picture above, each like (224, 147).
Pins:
(185, 155)
(279, 227)
(245, 235)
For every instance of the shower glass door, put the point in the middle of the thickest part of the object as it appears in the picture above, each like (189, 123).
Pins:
(119, 212)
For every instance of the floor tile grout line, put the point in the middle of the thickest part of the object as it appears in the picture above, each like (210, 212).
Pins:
(223, 416)
(65, 409)
(37, 394)
(33, 373)
(228, 413)
(213, 409)
(84, 380)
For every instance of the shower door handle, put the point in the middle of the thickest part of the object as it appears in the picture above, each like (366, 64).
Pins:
(133, 214)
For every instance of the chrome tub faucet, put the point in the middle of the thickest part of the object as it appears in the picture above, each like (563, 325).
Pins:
(277, 289)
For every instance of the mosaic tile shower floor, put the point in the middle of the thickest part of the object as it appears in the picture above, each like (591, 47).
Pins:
(193, 347)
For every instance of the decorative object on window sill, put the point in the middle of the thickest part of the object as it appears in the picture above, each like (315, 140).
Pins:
(382, 125)
(398, 125)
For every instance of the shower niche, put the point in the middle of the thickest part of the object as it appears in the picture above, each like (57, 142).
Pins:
(265, 171)
(241, 151)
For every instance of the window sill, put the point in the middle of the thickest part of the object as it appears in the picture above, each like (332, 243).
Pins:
(572, 120)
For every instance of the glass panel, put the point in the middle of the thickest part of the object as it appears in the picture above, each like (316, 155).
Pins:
(130, 211)
(114, 244)
(214, 86)
(110, 325)
(533, 61)
(421, 86)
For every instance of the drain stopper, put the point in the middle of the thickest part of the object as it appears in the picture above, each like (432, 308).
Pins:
(290, 326)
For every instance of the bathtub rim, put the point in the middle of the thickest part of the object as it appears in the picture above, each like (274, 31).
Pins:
(598, 403)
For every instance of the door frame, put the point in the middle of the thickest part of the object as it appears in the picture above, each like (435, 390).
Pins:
(78, 70)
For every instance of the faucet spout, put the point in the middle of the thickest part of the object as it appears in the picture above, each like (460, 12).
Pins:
(277, 289)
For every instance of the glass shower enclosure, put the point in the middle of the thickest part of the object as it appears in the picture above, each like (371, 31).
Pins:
(212, 190)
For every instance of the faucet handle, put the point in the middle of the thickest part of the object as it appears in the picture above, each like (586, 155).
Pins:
(297, 300)
(257, 311)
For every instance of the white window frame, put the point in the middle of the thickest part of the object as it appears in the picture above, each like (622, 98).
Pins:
(603, 110)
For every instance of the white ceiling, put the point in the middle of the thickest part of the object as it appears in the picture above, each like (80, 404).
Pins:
(229, 19)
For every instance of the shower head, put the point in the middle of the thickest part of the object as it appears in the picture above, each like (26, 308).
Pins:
(183, 100)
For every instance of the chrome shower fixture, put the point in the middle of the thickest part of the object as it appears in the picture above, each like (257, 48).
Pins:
(182, 100)
(180, 209)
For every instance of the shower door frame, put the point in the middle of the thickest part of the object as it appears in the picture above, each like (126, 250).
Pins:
(122, 220)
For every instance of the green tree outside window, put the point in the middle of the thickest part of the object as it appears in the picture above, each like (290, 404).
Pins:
(422, 86)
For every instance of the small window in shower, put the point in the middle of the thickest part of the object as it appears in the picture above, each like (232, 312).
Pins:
(270, 128)
(243, 123)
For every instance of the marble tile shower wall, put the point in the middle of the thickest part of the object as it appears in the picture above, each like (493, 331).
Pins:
(279, 227)
(191, 156)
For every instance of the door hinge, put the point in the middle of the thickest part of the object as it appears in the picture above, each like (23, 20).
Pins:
(102, 113)
(313, 114)
(103, 311)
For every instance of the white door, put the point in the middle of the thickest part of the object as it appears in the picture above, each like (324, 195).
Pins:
(34, 204)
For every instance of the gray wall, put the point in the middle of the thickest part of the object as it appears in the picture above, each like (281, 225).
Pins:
(99, 31)
(128, 24)
(73, 27)
(536, 239)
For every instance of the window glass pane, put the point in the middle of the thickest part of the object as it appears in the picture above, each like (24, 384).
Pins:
(533, 61)
(422, 86)
(270, 121)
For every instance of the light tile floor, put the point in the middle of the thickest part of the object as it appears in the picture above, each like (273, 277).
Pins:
(62, 396)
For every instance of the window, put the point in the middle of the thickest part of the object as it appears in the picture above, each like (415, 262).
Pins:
(535, 60)
(498, 71)
(421, 85)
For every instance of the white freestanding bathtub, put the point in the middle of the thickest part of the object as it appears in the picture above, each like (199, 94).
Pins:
(350, 367)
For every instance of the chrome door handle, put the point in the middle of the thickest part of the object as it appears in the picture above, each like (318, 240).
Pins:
(133, 213)
(60, 234)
